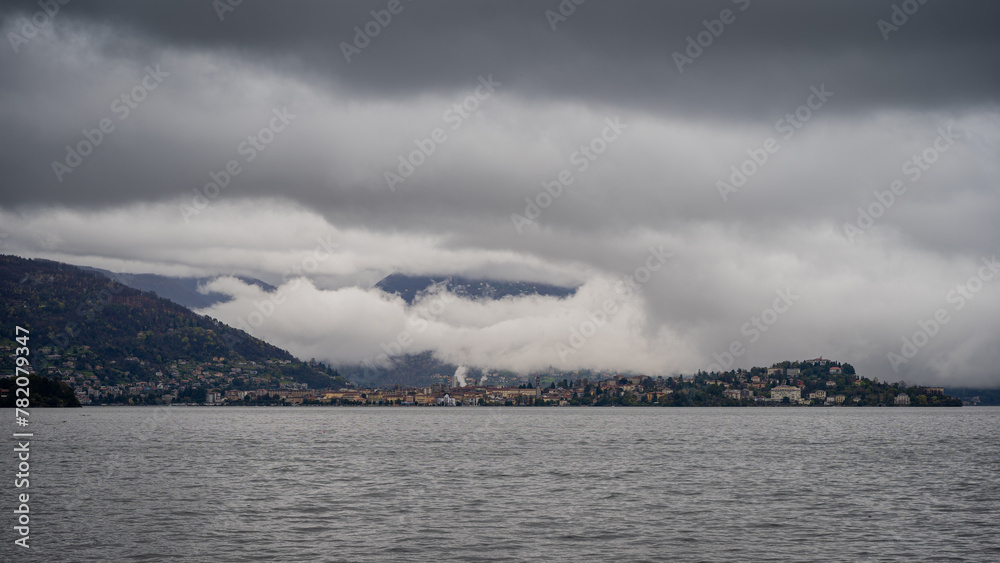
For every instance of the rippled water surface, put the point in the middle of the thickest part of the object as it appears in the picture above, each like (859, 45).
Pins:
(511, 484)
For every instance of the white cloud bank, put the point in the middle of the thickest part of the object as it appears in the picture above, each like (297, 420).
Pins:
(598, 327)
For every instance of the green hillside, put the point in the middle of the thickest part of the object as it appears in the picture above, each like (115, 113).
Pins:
(87, 328)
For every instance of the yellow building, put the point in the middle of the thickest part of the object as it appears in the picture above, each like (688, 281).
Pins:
(781, 391)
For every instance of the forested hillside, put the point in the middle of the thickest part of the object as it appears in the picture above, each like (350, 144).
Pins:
(90, 328)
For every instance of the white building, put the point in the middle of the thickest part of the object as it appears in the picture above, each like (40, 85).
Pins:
(781, 391)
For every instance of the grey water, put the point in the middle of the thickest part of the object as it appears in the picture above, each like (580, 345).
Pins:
(510, 484)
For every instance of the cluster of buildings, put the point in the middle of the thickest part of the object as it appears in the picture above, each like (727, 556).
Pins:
(771, 386)
(816, 381)
(138, 378)
(453, 394)
(827, 384)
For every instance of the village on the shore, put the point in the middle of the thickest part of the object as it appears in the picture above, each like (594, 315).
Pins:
(814, 382)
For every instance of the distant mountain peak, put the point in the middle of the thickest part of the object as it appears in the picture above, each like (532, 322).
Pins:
(410, 287)
(181, 290)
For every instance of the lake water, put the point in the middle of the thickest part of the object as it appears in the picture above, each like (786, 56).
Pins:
(510, 484)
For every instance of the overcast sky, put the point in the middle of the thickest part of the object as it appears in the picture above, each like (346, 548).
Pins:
(716, 153)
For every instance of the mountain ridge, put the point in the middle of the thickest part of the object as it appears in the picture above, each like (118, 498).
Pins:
(410, 287)
(181, 290)
(119, 336)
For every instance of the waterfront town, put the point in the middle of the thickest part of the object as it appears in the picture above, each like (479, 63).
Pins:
(815, 382)
(758, 386)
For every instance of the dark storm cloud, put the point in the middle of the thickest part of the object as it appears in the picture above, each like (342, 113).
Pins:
(612, 51)
(618, 56)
